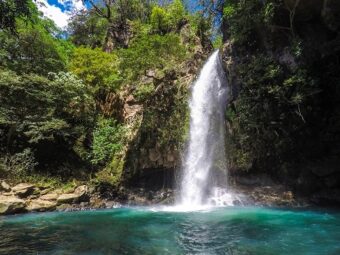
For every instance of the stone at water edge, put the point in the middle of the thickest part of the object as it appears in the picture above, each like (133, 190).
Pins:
(64, 207)
(79, 195)
(68, 198)
(23, 190)
(49, 196)
(40, 205)
(4, 186)
(10, 205)
(288, 195)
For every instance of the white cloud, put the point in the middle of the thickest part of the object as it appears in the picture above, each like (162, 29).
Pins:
(56, 14)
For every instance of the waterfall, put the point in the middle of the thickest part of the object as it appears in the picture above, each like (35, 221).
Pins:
(204, 171)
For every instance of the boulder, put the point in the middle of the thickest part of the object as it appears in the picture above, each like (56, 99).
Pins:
(131, 110)
(45, 191)
(130, 99)
(154, 154)
(79, 195)
(23, 190)
(40, 205)
(83, 189)
(7, 194)
(4, 186)
(11, 204)
(49, 197)
(288, 195)
(68, 198)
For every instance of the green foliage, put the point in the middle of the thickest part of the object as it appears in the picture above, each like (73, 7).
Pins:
(229, 10)
(34, 49)
(49, 125)
(278, 97)
(10, 10)
(43, 114)
(168, 18)
(176, 12)
(269, 12)
(201, 26)
(272, 108)
(108, 139)
(96, 68)
(144, 91)
(87, 29)
(163, 111)
(148, 52)
(217, 42)
(244, 18)
(20, 164)
(159, 19)
(112, 173)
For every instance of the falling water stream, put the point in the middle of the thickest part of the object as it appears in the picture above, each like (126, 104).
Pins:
(204, 179)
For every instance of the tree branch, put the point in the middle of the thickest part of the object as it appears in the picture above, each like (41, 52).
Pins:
(98, 10)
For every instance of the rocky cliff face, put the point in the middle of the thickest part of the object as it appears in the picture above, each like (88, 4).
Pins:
(284, 116)
(158, 122)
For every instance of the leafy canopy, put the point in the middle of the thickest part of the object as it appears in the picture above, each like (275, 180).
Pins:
(35, 48)
(96, 68)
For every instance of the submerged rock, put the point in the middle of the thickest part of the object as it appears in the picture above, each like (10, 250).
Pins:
(11, 204)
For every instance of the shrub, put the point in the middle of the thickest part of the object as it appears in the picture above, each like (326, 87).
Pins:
(47, 115)
(19, 164)
(96, 68)
(148, 52)
(108, 139)
(160, 20)
(168, 18)
(144, 91)
(34, 49)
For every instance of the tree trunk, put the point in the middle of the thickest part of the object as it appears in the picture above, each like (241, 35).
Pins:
(117, 35)
(109, 43)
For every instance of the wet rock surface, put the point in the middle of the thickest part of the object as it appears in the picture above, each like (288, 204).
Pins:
(11, 205)
(40, 205)
(260, 191)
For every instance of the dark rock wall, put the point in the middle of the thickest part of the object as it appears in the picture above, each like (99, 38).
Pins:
(310, 162)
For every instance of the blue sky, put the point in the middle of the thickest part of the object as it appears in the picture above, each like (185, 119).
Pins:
(59, 10)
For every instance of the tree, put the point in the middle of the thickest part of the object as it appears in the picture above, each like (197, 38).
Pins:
(96, 68)
(50, 116)
(159, 20)
(117, 13)
(35, 48)
(149, 52)
(168, 18)
(99, 70)
(87, 29)
(10, 10)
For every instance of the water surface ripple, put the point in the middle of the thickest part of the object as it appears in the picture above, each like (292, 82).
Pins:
(231, 230)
